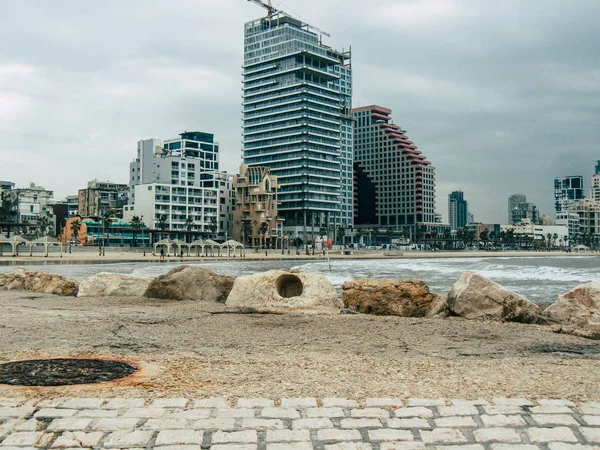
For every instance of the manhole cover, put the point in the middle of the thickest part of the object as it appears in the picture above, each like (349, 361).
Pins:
(61, 372)
(581, 352)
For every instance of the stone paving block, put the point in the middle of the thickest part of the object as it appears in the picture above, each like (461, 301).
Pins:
(390, 435)
(384, 403)
(74, 439)
(97, 413)
(590, 409)
(22, 439)
(11, 402)
(459, 410)
(124, 403)
(335, 434)
(414, 422)
(235, 413)
(460, 447)
(145, 413)
(455, 422)
(558, 434)
(564, 446)
(551, 409)
(559, 402)
(120, 439)
(307, 402)
(179, 437)
(554, 419)
(69, 424)
(288, 435)
(426, 402)
(591, 434)
(360, 423)
(166, 424)
(189, 414)
(513, 402)
(177, 447)
(332, 402)
(215, 402)
(402, 446)
(348, 446)
(313, 424)
(242, 437)
(255, 403)
(31, 425)
(503, 409)
(325, 412)
(591, 420)
(234, 447)
(19, 412)
(414, 411)
(291, 446)
(500, 420)
(51, 413)
(514, 447)
(378, 413)
(169, 403)
(443, 436)
(496, 435)
(82, 403)
(478, 402)
(116, 424)
(262, 424)
(280, 413)
(212, 424)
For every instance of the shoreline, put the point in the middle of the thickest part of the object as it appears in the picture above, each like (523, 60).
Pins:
(90, 256)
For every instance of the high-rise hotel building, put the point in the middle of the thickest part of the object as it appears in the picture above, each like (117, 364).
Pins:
(395, 181)
(297, 119)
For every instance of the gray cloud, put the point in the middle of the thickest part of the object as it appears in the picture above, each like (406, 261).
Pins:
(500, 96)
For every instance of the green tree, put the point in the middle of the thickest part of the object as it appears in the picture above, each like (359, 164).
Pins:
(106, 220)
(247, 231)
(262, 230)
(43, 225)
(358, 234)
(341, 234)
(213, 227)
(189, 224)
(75, 227)
(136, 225)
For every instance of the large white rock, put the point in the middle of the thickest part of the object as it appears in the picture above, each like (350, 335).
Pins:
(279, 290)
(580, 306)
(107, 284)
(474, 296)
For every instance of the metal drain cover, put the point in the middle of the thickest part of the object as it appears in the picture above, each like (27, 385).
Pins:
(63, 372)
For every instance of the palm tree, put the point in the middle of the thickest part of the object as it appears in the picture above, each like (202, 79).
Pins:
(359, 234)
(75, 227)
(106, 219)
(189, 224)
(43, 224)
(162, 224)
(213, 227)
(263, 229)
(136, 225)
(247, 231)
(341, 234)
(554, 238)
(549, 239)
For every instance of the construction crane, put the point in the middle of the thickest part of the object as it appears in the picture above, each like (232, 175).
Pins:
(272, 12)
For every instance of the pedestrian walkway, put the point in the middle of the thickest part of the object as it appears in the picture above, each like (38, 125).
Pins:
(299, 424)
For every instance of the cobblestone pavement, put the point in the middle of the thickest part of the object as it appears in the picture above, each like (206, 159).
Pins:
(299, 424)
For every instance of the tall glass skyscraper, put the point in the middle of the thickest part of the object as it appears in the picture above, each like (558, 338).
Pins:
(297, 119)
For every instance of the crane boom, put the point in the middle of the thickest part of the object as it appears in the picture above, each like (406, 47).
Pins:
(272, 11)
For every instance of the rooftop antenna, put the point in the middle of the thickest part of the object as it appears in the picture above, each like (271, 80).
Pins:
(272, 12)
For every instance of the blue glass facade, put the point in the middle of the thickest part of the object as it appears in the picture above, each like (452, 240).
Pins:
(297, 119)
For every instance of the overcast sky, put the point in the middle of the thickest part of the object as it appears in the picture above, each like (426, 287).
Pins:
(501, 96)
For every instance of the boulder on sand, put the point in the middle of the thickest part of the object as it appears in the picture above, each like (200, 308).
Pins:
(25, 280)
(580, 306)
(474, 296)
(387, 297)
(283, 291)
(107, 284)
(190, 283)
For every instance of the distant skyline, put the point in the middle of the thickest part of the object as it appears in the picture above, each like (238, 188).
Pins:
(502, 97)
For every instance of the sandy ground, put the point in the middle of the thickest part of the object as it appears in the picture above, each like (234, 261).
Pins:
(184, 349)
(115, 254)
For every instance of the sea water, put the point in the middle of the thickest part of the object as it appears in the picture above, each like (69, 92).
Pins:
(541, 280)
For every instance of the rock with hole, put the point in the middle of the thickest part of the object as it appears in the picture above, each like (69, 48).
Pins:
(107, 284)
(190, 283)
(283, 291)
(404, 298)
(476, 297)
(26, 280)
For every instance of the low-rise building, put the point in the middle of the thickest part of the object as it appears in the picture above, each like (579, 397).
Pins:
(102, 196)
(553, 235)
(256, 202)
(32, 206)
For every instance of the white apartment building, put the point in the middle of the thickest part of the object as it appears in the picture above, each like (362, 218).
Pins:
(540, 231)
(33, 203)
